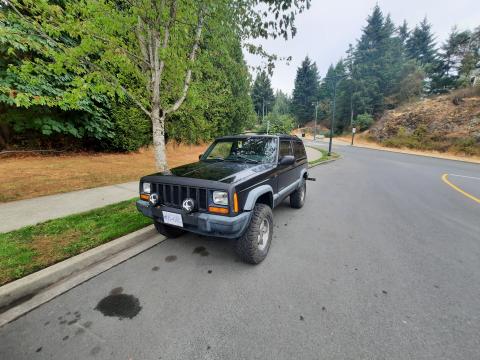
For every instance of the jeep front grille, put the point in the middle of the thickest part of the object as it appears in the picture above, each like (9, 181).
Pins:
(173, 195)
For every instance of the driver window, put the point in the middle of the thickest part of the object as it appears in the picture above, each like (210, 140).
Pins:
(285, 148)
(221, 150)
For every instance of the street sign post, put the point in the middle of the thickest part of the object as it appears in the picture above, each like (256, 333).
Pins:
(354, 130)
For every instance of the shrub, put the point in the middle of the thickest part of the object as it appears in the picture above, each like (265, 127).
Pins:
(364, 121)
(279, 124)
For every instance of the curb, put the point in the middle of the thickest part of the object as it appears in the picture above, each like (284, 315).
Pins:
(40, 287)
(322, 162)
(326, 161)
(399, 151)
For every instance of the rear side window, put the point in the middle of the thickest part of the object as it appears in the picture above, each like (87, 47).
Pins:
(299, 150)
(285, 148)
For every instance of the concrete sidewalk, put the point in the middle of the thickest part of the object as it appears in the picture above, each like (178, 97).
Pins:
(16, 214)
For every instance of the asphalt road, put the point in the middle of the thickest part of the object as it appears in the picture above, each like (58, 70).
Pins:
(383, 262)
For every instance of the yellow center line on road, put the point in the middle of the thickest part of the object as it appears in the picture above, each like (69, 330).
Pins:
(470, 196)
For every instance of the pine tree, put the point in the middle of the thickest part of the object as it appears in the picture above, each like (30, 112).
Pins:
(282, 103)
(369, 64)
(421, 46)
(403, 32)
(305, 92)
(262, 94)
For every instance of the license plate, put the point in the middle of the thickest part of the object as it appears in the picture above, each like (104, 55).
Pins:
(172, 218)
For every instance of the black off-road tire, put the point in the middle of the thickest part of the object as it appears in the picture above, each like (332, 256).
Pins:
(297, 198)
(249, 247)
(168, 231)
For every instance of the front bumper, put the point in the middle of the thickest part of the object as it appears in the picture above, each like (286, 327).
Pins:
(201, 223)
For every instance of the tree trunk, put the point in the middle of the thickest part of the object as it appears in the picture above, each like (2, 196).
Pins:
(158, 127)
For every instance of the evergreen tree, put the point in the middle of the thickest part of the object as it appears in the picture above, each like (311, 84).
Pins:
(421, 46)
(403, 32)
(282, 103)
(305, 92)
(262, 94)
(370, 64)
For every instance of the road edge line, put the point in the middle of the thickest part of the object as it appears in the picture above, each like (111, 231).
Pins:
(455, 187)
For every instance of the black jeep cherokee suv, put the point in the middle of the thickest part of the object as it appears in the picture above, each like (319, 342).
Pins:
(230, 192)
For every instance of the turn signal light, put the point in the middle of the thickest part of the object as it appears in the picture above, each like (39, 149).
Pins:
(144, 197)
(218, 210)
(235, 203)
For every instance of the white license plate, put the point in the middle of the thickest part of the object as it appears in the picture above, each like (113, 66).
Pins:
(172, 218)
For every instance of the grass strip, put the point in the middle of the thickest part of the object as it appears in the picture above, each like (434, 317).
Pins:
(324, 157)
(33, 248)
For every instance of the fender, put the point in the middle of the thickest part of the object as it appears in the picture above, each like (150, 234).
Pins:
(303, 174)
(255, 194)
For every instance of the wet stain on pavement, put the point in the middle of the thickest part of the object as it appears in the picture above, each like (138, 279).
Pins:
(79, 331)
(71, 322)
(65, 337)
(302, 318)
(384, 292)
(208, 347)
(199, 249)
(209, 271)
(436, 286)
(46, 323)
(119, 305)
(155, 268)
(116, 291)
(170, 258)
(324, 308)
(39, 349)
(63, 322)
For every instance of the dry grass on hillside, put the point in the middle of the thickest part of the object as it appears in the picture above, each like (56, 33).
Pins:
(448, 123)
(31, 176)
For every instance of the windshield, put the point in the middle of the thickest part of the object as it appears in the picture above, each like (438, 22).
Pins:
(254, 149)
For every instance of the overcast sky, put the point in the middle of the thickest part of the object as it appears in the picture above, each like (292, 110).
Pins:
(326, 29)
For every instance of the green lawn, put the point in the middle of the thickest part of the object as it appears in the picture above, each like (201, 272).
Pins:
(324, 157)
(32, 248)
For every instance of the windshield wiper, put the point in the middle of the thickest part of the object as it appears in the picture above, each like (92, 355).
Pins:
(217, 158)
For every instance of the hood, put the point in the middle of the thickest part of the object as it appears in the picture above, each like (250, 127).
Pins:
(224, 171)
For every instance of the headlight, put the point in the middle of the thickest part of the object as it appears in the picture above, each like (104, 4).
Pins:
(220, 198)
(146, 188)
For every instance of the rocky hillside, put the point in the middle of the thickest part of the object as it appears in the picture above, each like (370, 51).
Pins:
(448, 123)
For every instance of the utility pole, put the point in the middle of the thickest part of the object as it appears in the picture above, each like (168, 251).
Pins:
(336, 80)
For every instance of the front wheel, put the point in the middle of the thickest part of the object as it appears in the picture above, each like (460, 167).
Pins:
(297, 198)
(253, 246)
(168, 231)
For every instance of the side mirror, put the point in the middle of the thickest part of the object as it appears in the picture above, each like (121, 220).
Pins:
(287, 160)
(200, 157)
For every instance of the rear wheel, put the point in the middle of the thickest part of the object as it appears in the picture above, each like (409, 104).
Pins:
(297, 198)
(253, 246)
(168, 231)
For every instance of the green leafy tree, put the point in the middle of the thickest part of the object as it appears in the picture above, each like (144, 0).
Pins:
(262, 94)
(154, 45)
(305, 92)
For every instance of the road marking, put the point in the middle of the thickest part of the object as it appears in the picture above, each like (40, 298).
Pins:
(470, 196)
(463, 176)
